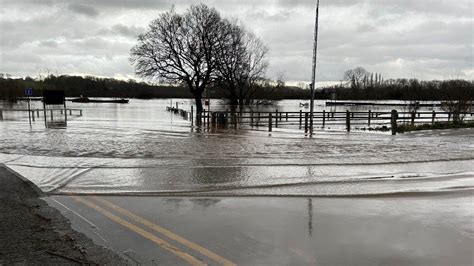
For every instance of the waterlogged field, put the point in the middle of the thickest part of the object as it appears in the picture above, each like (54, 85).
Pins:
(139, 148)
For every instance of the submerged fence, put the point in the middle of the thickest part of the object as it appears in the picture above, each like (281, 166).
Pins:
(39, 112)
(321, 119)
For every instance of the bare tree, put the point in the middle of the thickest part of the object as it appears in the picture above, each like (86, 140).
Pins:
(356, 77)
(242, 63)
(458, 98)
(181, 49)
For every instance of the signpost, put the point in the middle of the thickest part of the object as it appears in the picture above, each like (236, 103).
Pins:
(28, 93)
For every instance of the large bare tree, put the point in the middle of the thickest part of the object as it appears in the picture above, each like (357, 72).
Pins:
(242, 62)
(182, 49)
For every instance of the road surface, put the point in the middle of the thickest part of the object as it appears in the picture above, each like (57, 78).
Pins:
(277, 231)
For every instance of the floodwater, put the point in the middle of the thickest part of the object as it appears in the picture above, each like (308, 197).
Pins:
(139, 148)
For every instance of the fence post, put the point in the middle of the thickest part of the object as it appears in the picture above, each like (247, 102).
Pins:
(37, 113)
(80, 112)
(70, 111)
(258, 118)
(286, 116)
(1, 114)
(433, 117)
(276, 118)
(51, 115)
(449, 116)
(370, 116)
(324, 118)
(251, 117)
(348, 121)
(33, 115)
(301, 118)
(393, 122)
(192, 115)
(270, 122)
(413, 115)
(306, 122)
(227, 116)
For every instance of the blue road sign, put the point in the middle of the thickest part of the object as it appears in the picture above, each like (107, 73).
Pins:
(29, 92)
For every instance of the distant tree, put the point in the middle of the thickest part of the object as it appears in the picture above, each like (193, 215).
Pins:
(280, 80)
(242, 63)
(356, 77)
(182, 48)
(458, 98)
(301, 85)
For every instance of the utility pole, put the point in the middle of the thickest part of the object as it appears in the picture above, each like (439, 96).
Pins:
(313, 77)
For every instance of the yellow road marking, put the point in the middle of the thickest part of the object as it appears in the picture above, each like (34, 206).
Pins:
(165, 245)
(166, 232)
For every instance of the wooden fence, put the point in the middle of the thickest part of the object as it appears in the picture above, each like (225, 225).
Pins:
(38, 112)
(321, 119)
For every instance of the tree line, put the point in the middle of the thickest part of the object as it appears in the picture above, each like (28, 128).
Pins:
(390, 89)
(359, 84)
(89, 86)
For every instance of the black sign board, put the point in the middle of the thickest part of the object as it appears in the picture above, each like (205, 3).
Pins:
(52, 97)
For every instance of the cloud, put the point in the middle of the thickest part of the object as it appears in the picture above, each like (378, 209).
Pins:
(128, 31)
(403, 38)
(83, 10)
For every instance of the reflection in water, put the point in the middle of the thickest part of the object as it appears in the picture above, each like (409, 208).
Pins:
(310, 217)
(205, 203)
(175, 204)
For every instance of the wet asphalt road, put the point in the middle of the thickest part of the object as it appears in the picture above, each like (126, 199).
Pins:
(278, 231)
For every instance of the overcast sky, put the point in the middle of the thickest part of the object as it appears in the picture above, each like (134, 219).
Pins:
(426, 39)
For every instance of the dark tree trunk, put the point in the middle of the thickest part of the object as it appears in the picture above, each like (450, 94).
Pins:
(233, 114)
(199, 108)
(234, 101)
(233, 96)
(241, 97)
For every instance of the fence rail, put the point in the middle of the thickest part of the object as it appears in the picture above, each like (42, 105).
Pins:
(322, 119)
(38, 112)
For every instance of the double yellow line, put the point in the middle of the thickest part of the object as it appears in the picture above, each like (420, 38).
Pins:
(162, 243)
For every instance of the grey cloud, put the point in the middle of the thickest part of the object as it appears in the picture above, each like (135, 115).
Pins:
(83, 9)
(264, 15)
(121, 30)
(128, 31)
(429, 38)
(48, 44)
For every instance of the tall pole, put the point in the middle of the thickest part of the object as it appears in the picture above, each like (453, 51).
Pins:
(313, 76)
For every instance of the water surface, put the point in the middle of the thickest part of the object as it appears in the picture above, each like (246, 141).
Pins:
(139, 148)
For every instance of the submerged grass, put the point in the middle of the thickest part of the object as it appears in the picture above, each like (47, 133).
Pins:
(402, 128)
(409, 127)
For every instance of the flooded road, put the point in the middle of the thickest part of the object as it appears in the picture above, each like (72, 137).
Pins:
(279, 231)
(139, 148)
(144, 183)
